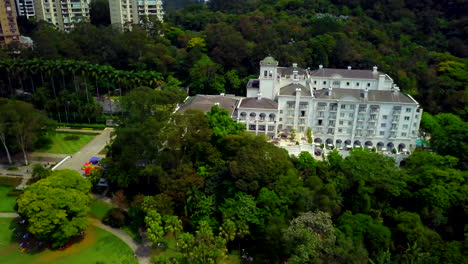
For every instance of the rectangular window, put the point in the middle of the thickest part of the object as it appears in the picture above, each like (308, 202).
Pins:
(320, 122)
(406, 118)
(252, 127)
(315, 82)
(352, 106)
(405, 126)
(336, 83)
(340, 130)
(357, 84)
(331, 122)
(350, 123)
(384, 117)
(403, 134)
(383, 125)
(351, 115)
(342, 114)
(382, 133)
(408, 110)
(330, 131)
(324, 82)
(348, 130)
(265, 73)
(341, 122)
(343, 106)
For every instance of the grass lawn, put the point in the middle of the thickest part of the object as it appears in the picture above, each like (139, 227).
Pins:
(99, 209)
(7, 203)
(61, 146)
(98, 246)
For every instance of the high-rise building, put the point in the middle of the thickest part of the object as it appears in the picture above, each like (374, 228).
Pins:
(8, 28)
(25, 8)
(125, 13)
(62, 13)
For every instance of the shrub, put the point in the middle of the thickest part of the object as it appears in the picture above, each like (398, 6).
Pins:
(43, 141)
(72, 138)
(10, 181)
(116, 218)
(40, 172)
(81, 126)
(13, 169)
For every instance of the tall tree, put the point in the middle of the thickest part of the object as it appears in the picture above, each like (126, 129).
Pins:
(56, 207)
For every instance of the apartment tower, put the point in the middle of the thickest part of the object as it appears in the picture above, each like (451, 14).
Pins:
(62, 13)
(125, 13)
(8, 28)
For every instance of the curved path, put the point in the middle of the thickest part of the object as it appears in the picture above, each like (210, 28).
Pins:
(142, 251)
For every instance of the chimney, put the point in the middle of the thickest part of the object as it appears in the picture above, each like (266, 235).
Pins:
(395, 89)
(295, 65)
(365, 93)
(320, 66)
(216, 103)
(329, 91)
(374, 69)
(259, 96)
(222, 94)
(349, 67)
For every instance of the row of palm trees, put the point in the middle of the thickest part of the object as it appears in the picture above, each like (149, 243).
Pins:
(57, 85)
(25, 73)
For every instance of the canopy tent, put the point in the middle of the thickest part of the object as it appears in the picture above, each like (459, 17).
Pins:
(94, 160)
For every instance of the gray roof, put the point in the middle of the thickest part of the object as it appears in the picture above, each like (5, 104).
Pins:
(263, 103)
(344, 73)
(372, 96)
(205, 102)
(289, 70)
(290, 89)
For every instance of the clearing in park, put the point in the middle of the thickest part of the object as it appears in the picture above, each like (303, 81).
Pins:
(67, 142)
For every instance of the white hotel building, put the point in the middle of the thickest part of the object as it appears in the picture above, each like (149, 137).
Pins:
(343, 107)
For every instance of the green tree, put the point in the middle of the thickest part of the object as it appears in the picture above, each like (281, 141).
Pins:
(205, 77)
(222, 124)
(56, 207)
(310, 237)
(155, 230)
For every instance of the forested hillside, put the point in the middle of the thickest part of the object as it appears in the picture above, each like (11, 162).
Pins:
(214, 48)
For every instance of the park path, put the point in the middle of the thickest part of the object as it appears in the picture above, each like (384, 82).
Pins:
(8, 215)
(91, 149)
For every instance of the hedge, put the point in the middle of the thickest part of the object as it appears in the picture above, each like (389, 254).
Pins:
(82, 126)
(10, 181)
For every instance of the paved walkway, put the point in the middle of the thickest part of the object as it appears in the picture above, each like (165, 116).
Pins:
(91, 149)
(9, 215)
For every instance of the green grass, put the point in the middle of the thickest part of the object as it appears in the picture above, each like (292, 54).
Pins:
(7, 203)
(61, 146)
(99, 209)
(98, 246)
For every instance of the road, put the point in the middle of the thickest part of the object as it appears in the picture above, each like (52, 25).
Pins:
(89, 150)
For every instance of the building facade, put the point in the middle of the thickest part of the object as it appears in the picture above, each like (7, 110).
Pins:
(25, 8)
(343, 108)
(63, 14)
(125, 13)
(8, 27)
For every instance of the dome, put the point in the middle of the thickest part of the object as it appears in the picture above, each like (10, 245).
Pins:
(269, 61)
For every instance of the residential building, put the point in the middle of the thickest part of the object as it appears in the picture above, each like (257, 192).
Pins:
(8, 27)
(343, 107)
(25, 8)
(63, 14)
(125, 13)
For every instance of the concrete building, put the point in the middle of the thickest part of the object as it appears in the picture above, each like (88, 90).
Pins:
(25, 8)
(8, 28)
(344, 108)
(125, 13)
(62, 13)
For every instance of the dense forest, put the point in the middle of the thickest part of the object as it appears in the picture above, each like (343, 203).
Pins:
(222, 191)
